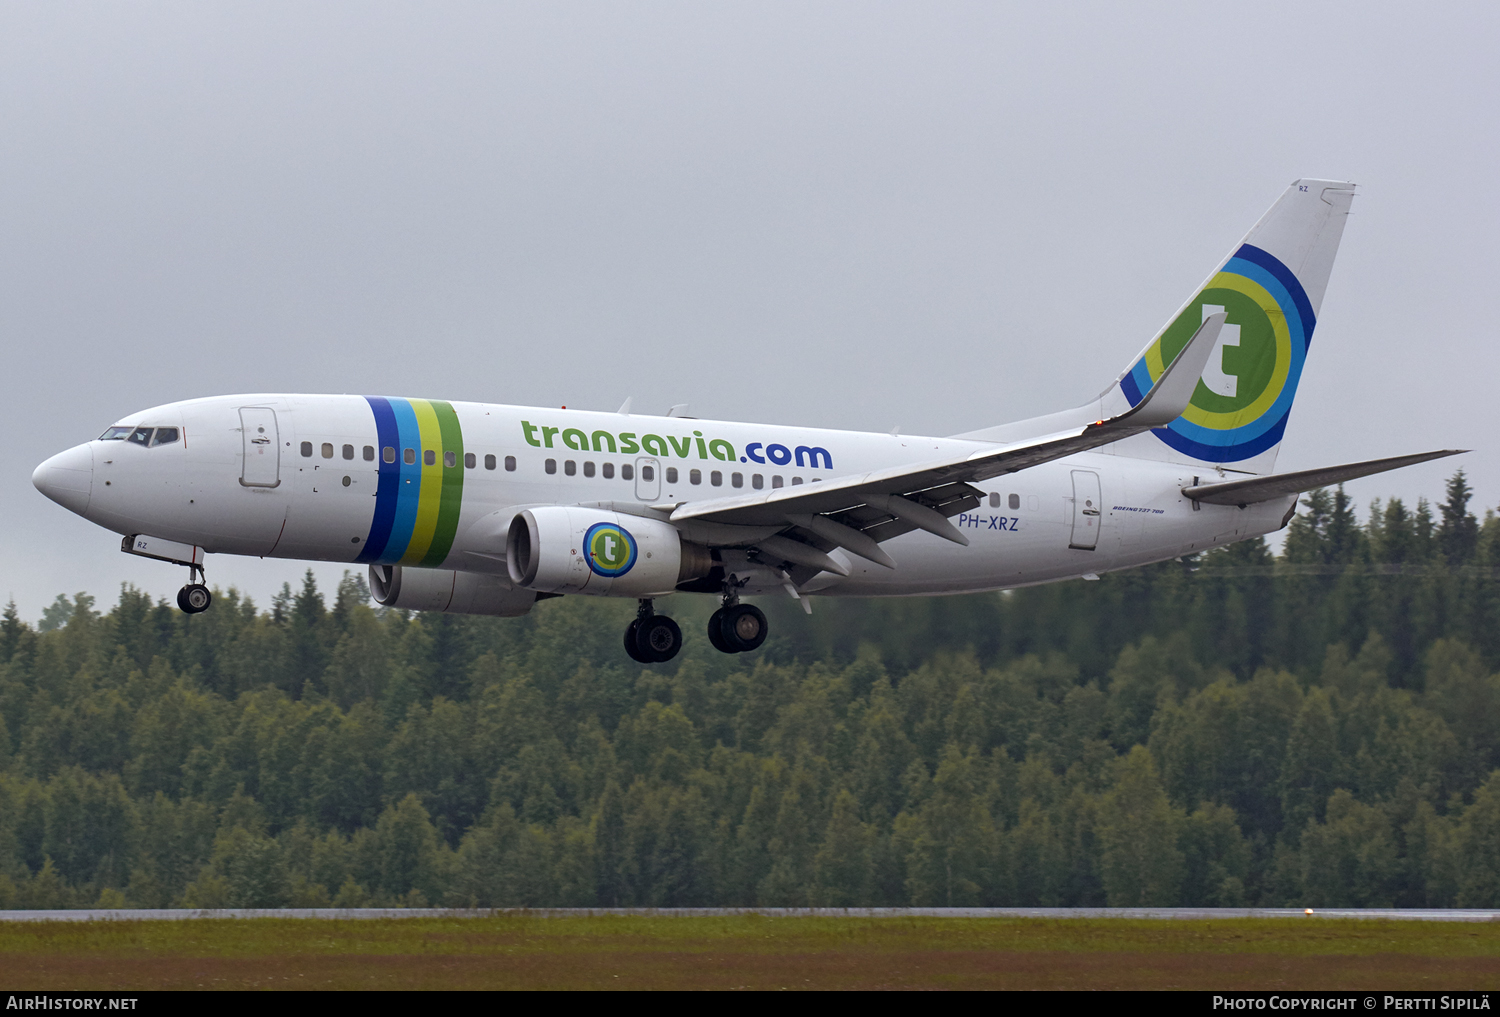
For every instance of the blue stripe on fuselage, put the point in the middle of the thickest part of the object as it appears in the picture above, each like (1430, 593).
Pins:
(389, 484)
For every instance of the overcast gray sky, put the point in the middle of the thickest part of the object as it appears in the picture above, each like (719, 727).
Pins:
(938, 215)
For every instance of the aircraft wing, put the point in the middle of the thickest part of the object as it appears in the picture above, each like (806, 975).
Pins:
(860, 511)
(1258, 489)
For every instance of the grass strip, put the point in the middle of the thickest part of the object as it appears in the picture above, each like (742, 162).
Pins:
(749, 951)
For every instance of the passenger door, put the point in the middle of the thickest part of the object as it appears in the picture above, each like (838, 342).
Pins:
(1086, 514)
(262, 444)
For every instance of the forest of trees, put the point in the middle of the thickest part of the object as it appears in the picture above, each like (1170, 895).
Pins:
(1319, 728)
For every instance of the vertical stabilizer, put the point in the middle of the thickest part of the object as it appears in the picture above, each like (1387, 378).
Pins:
(1271, 288)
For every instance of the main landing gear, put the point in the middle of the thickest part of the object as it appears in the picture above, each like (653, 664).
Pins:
(194, 598)
(655, 639)
(736, 627)
(652, 638)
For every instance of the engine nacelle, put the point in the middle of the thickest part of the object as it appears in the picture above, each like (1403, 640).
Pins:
(446, 590)
(566, 549)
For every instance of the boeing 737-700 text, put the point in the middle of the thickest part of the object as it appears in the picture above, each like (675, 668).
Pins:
(485, 509)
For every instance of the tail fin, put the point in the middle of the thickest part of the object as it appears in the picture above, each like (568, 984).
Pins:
(1271, 287)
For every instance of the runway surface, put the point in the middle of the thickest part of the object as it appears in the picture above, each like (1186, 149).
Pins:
(1190, 914)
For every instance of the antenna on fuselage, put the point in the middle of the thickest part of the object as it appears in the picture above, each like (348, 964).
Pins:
(625, 407)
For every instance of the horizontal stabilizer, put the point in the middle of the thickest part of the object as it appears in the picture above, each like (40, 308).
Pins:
(1258, 489)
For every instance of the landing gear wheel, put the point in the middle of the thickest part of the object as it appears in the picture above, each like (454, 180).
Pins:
(194, 598)
(631, 646)
(743, 628)
(716, 631)
(657, 639)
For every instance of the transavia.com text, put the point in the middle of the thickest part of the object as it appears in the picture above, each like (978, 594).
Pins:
(1351, 1002)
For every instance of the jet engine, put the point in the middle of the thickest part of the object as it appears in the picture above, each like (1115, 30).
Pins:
(567, 549)
(446, 590)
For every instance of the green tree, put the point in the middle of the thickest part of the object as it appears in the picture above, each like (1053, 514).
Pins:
(843, 868)
(1458, 533)
(1140, 863)
(408, 852)
(1313, 765)
(1477, 844)
(1350, 859)
(1216, 858)
(951, 844)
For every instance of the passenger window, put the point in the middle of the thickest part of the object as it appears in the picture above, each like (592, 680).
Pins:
(409, 456)
(550, 466)
(348, 451)
(627, 472)
(470, 462)
(648, 473)
(429, 457)
(450, 460)
(588, 469)
(671, 474)
(369, 453)
(510, 463)
(307, 450)
(757, 481)
(388, 454)
(489, 462)
(994, 499)
(164, 436)
(141, 436)
(570, 467)
(328, 450)
(116, 434)
(796, 481)
(776, 481)
(736, 480)
(695, 477)
(609, 470)
(716, 478)
(1015, 501)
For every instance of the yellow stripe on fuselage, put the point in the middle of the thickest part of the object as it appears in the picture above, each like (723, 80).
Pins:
(432, 482)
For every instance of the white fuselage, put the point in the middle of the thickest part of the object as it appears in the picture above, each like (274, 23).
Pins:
(299, 476)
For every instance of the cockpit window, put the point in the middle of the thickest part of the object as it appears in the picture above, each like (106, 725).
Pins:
(116, 434)
(140, 436)
(164, 436)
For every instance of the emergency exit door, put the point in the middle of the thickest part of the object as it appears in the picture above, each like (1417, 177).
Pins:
(262, 443)
(1086, 514)
(647, 479)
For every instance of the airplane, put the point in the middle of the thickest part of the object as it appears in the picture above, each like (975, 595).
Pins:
(486, 509)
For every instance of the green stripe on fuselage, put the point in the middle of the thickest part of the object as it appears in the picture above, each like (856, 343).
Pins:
(453, 485)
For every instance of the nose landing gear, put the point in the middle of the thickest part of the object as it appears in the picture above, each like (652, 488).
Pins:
(652, 638)
(194, 598)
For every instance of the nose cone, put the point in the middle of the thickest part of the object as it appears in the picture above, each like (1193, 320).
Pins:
(68, 478)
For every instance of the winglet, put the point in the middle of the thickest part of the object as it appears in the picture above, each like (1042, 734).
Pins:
(1169, 397)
